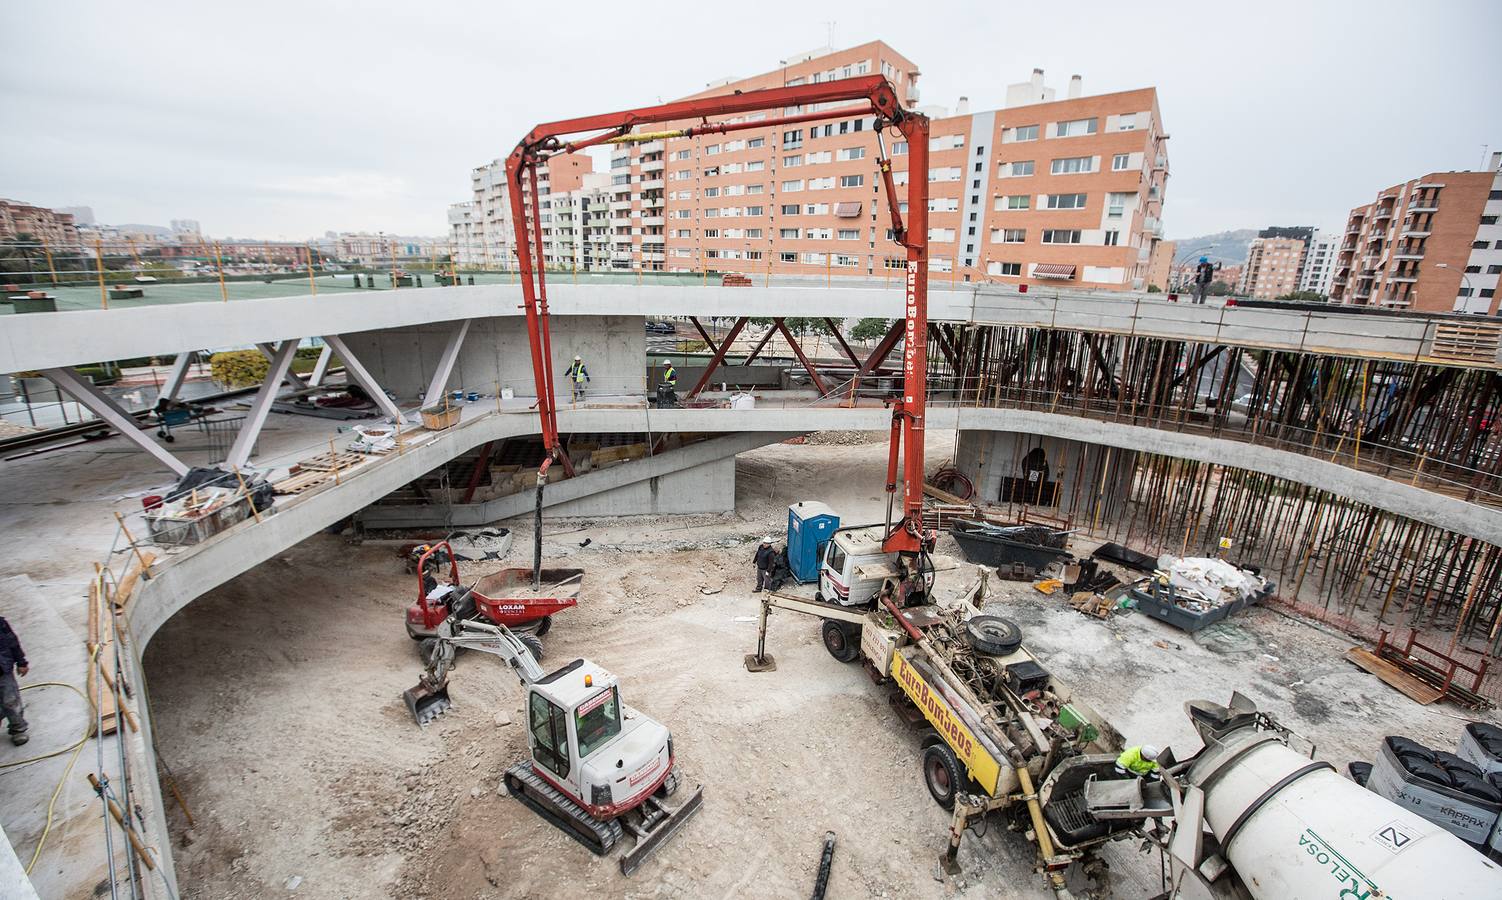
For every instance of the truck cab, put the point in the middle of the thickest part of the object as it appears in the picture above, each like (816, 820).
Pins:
(854, 567)
(605, 755)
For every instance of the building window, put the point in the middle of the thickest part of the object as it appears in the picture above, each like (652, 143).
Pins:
(1120, 162)
(711, 192)
(753, 232)
(943, 204)
(790, 186)
(1014, 201)
(788, 233)
(852, 180)
(1076, 127)
(1061, 236)
(1004, 268)
(977, 168)
(756, 165)
(756, 142)
(1473, 270)
(753, 254)
(1024, 167)
(756, 189)
(1488, 220)
(899, 148)
(790, 209)
(792, 140)
(756, 210)
(1073, 164)
(1019, 134)
(712, 149)
(1494, 195)
(1479, 245)
(850, 153)
(787, 257)
(1465, 292)
(711, 232)
(941, 235)
(1008, 235)
(1066, 201)
(1494, 270)
(850, 234)
(820, 157)
(944, 173)
(1113, 238)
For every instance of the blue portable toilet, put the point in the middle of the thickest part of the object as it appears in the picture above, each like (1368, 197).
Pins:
(810, 526)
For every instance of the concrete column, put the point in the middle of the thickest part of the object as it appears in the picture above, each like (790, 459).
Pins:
(176, 377)
(355, 370)
(260, 407)
(321, 367)
(83, 390)
(445, 368)
(294, 381)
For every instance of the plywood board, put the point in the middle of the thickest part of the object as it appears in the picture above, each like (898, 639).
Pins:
(1394, 677)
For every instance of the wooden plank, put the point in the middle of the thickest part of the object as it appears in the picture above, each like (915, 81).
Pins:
(301, 482)
(1394, 677)
(326, 462)
(943, 496)
(132, 576)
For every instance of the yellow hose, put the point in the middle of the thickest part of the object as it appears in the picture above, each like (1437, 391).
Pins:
(76, 747)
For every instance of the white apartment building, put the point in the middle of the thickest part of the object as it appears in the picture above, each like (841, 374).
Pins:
(481, 228)
(1319, 263)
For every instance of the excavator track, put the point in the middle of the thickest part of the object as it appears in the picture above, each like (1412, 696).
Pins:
(555, 806)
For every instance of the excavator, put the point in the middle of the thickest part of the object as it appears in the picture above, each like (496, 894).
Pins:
(598, 767)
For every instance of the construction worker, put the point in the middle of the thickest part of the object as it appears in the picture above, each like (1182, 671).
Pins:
(766, 558)
(667, 390)
(12, 663)
(1204, 273)
(577, 375)
(1138, 762)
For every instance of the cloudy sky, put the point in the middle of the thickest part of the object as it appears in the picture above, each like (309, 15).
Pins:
(283, 120)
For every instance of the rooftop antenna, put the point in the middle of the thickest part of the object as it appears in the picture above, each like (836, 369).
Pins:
(829, 33)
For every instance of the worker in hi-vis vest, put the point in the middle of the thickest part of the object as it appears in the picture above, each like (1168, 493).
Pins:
(577, 375)
(1138, 761)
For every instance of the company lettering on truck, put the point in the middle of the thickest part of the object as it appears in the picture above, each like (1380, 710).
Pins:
(983, 768)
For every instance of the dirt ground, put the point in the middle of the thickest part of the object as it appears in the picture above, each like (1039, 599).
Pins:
(276, 703)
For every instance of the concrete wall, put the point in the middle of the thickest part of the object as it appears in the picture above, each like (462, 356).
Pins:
(709, 487)
(496, 352)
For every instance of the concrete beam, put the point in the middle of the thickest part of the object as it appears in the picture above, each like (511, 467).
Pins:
(445, 367)
(260, 406)
(84, 391)
(361, 375)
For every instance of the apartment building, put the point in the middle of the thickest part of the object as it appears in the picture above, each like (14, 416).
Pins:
(481, 229)
(1432, 244)
(1057, 191)
(1319, 263)
(57, 229)
(574, 223)
(1275, 262)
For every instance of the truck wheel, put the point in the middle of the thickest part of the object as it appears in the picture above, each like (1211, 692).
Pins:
(837, 641)
(543, 626)
(530, 641)
(941, 772)
(993, 635)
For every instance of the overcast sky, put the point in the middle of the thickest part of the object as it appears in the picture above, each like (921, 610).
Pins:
(283, 120)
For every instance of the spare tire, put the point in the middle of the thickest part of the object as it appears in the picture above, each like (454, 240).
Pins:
(1359, 772)
(993, 635)
(1452, 763)
(1402, 745)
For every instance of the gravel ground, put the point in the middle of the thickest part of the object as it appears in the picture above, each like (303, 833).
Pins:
(276, 703)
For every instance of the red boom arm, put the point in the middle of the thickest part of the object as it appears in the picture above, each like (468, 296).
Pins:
(880, 98)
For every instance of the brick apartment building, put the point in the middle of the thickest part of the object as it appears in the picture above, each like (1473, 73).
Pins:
(57, 229)
(1432, 244)
(1064, 192)
(1275, 262)
(481, 229)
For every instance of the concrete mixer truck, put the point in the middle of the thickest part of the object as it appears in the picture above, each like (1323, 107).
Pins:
(1254, 817)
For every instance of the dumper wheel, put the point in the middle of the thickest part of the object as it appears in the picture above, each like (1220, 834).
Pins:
(531, 642)
(993, 635)
(838, 641)
(941, 772)
(543, 626)
(425, 650)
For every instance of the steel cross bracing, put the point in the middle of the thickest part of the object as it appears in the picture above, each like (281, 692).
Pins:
(871, 94)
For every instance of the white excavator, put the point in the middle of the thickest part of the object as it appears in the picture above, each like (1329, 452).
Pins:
(598, 768)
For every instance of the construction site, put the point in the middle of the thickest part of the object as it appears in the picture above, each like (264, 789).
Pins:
(1015, 593)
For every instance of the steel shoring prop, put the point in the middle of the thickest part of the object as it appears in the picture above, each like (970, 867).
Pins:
(719, 357)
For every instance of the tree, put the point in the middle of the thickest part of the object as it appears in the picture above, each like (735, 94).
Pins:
(1218, 289)
(1154, 289)
(870, 329)
(1302, 297)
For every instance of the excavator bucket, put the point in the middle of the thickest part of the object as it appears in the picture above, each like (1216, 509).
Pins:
(664, 823)
(425, 702)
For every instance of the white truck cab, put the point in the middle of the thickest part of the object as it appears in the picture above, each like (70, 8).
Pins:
(855, 567)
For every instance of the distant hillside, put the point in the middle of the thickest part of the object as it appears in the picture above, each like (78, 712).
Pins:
(1230, 246)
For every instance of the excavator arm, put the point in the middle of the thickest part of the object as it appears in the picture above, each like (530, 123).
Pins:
(429, 698)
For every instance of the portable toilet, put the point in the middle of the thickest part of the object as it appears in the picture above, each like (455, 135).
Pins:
(810, 526)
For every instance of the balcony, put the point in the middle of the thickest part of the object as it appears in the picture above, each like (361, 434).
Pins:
(651, 202)
(654, 239)
(655, 165)
(1414, 234)
(1160, 164)
(621, 254)
(654, 257)
(651, 147)
(1412, 253)
(652, 184)
(1383, 213)
(1408, 276)
(618, 205)
(1424, 206)
(653, 221)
